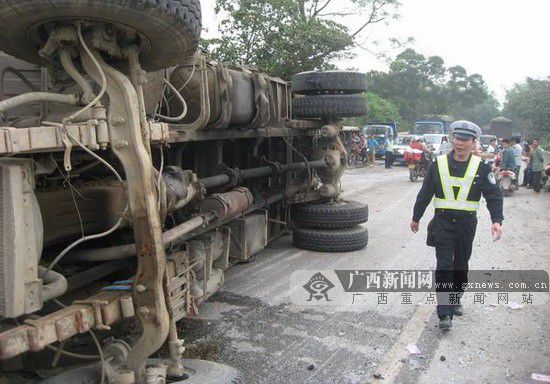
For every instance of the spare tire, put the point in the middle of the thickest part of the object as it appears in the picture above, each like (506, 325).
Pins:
(329, 106)
(326, 240)
(317, 82)
(345, 214)
(169, 30)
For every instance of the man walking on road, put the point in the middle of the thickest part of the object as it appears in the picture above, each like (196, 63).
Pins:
(457, 181)
(372, 143)
(518, 151)
(538, 164)
(389, 151)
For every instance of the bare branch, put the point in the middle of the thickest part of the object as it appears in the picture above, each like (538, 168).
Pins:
(319, 10)
(340, 14)
(376, 7)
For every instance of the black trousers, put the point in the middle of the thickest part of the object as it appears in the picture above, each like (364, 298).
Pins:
(453, 235)
(528, 176)
(389, 159)
(536, 181)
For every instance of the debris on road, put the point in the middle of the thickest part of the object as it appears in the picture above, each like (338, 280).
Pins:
(442, 358)
(514, 305)
(413, 349)
(540, 378)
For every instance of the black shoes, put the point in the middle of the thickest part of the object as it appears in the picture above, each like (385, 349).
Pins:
(445, 323)
(459, 311)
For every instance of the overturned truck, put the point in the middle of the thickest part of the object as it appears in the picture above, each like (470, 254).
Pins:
(128, 157)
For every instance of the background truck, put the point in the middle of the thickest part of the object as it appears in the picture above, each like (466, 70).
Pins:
(432, 125)
(134, 171)
(381, 131)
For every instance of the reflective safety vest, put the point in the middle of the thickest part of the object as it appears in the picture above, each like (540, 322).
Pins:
(448, 182)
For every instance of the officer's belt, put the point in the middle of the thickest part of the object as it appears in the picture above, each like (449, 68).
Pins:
(450, 214)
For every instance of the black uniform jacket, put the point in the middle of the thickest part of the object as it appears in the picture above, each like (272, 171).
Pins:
(484, 183)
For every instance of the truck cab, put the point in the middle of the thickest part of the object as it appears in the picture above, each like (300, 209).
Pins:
(424, 127)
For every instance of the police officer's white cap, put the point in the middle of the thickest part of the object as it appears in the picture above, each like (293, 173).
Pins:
(464, 129)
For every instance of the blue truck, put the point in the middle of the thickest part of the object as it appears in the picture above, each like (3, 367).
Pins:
(380, 131)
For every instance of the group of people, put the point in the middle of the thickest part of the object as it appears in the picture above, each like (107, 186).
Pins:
(361, 142)
(512, 154)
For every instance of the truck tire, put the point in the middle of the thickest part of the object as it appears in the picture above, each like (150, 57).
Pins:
(346, 214)
(329, 82)
(170, 29)
(200, 372)
(327, 240)
(208, 372)
(329, 106)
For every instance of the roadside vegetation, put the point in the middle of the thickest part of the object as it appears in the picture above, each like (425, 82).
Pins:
(284, 37)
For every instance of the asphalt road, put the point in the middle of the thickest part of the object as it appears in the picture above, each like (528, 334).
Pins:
(256, 324)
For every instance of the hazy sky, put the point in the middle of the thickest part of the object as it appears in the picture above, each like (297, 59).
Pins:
(503, 40)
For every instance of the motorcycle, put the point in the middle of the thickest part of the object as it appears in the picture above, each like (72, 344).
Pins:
(418, 166)
(358, 155)
(507, 182)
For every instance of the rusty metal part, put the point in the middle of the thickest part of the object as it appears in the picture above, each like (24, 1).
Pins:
(155, 375)
(76, 319)
(229, 203)
(49, 138)
(249, 235)
(173, 235)
(101, 203)
(97, 305)
(199, 81)
(116, 352)
(305, 124)
(181, 187)
(329, 190)
(169, 237)
(99, 208)
(124, 127)
(55, 284)
(66, 60)
(330, 131)
(35, 97)
(246, 174)
(138, 77)
(178, 299)
(127, 307)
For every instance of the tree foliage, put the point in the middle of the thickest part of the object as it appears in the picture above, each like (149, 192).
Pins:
(284, 37)
(528, 106)
(421, 86)
(380, 111)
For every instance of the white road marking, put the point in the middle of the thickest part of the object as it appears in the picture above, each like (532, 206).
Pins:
(391, 363)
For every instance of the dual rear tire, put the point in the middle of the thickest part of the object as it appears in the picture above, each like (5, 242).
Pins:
(331, 228)
(329, 94)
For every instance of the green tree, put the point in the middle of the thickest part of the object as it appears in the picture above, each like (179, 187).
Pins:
(284, 37)
(528, 105)
(481, 113)
(380, 111)
(421, 86)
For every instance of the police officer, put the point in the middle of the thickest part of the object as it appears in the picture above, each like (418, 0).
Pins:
(456, 181)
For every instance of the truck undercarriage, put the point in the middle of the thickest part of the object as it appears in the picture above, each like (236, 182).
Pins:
(154, 181)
